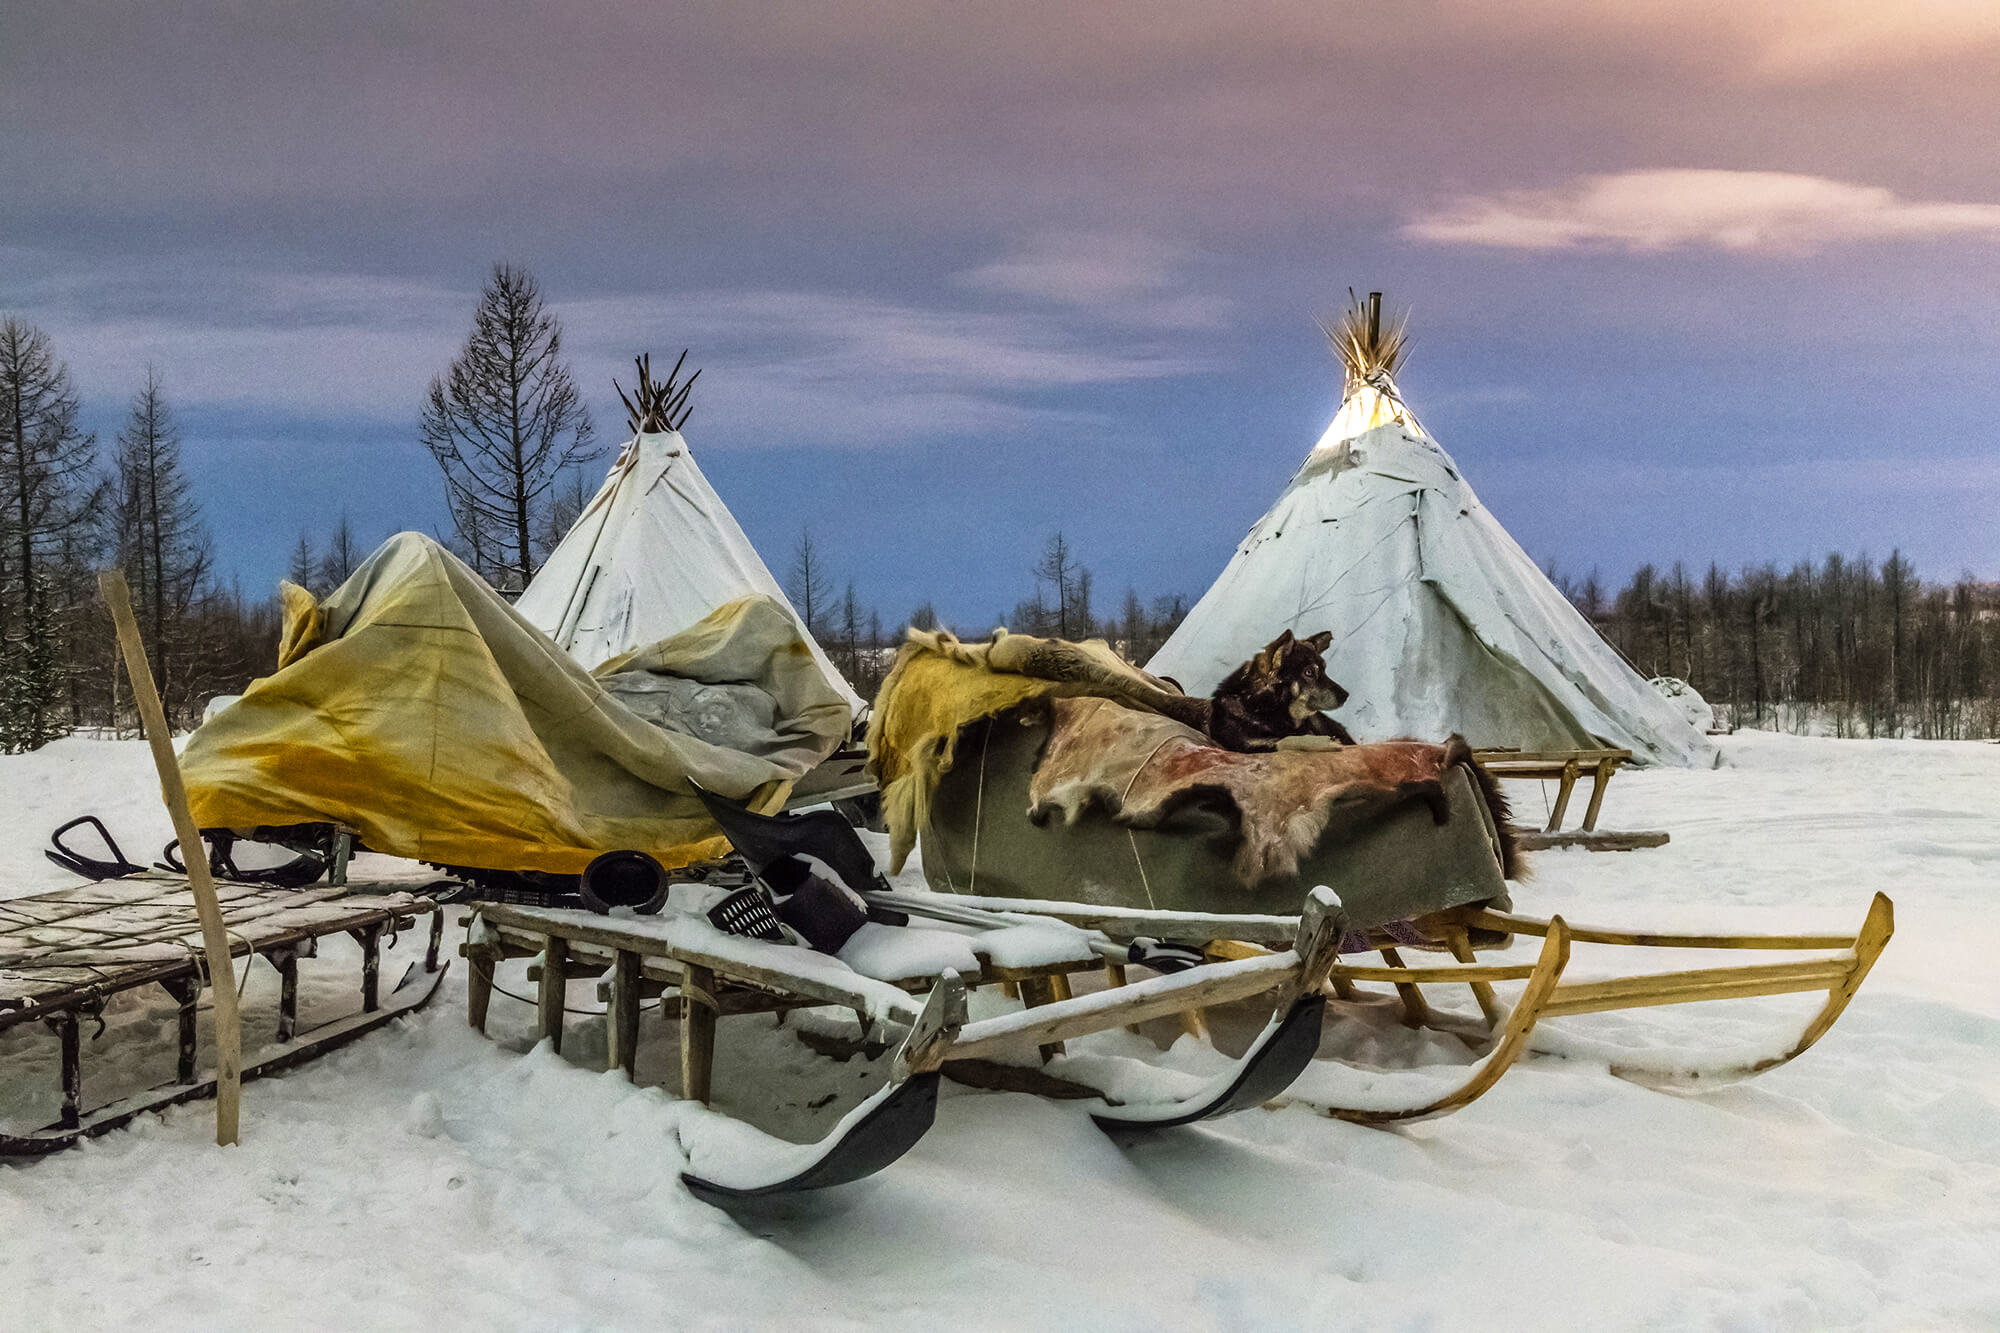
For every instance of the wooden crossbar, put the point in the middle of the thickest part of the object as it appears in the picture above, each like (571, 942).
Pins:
(1527, 925)
(1714, 983)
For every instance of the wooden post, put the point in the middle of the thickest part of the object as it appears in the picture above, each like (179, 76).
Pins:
(697, 1032)
(370, 940)
(186, 991)
(1416, 1013)
(1570, 771)
(480, 960)
(1604, 767)
(436, 941)
(1374, 319)
(65, 1025)
(554, 990)
(214, 938)
(624, 1012)
(1461, 949)
(287, 963)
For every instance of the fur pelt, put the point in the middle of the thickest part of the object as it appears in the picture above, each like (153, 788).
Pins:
(1139, 768)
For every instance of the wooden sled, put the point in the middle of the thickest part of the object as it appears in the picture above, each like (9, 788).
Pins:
(63, 954)
(714, 974)
(1546, 995)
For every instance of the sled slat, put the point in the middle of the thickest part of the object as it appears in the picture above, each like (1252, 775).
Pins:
(1527, 925)
(1135, 1003)
(1717, 983)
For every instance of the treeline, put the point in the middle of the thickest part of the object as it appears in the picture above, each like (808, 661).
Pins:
(68, 508)
(1844, 646)
(1060, 604)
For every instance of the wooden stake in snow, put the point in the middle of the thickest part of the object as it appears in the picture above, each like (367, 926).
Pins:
(215, 940)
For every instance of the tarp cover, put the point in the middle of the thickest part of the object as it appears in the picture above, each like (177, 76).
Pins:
(416, 707)
(1441, 623)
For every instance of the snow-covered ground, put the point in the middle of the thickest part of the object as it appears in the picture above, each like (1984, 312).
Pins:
(428, 1177)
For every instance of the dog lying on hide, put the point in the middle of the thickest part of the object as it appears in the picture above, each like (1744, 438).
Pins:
(1282, 691)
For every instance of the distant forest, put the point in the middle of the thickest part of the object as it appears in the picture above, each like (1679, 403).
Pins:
(1843, 646)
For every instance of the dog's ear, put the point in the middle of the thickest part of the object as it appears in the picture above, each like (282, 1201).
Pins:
(1280, 642)
(1322, 640)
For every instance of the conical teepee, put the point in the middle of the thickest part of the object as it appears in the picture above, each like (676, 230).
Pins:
(653, 552)
(1441, 622)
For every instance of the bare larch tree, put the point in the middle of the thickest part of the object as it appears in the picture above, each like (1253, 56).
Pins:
(503, 422)
(161, 543)
(48, 496)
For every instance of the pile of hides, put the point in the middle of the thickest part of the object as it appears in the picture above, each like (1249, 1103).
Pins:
(1042, 769)
(414, 706)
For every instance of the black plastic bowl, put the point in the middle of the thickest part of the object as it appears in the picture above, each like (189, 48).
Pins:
(624, 879)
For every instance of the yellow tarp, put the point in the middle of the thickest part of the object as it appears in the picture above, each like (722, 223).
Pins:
(414, 706)
(938, 686)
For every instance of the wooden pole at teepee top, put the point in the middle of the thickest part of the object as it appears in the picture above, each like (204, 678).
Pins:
(214, 937)
(1374, 320)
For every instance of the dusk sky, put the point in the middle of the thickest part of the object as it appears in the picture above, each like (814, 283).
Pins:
(1688, 280)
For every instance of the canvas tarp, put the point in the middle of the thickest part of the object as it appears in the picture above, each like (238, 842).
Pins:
(415, 706)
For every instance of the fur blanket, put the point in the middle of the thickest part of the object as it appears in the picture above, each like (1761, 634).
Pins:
(1138, 768)
(938, 686)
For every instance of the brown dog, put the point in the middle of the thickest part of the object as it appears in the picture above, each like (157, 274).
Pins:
(1282, 691)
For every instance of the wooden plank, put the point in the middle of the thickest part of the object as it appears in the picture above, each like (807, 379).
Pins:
(698, 1012)
(1715, 983)
(862, 993)
(1124, 923)
(215, 940)
(1516, 924)
(1155, 997)
(1542, 840)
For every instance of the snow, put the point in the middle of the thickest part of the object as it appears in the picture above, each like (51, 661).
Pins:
(428, 1176)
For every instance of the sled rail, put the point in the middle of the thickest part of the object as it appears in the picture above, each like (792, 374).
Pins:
(1545, 995)
(1512, 923)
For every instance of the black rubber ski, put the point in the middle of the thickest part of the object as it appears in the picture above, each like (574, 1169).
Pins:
(1280, 1054)
(890, 1129)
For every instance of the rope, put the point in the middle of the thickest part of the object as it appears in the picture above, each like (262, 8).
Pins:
(979, 806)
(1132, 837)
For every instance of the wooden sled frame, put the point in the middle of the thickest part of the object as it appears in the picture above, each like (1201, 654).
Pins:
(1546, 995)
(79, 947)
(749, 977)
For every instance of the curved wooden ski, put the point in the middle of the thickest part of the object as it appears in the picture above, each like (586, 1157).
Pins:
(408, 997)
(1513, 1040)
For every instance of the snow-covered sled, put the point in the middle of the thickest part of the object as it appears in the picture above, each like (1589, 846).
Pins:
(912, 978)
(63, 955)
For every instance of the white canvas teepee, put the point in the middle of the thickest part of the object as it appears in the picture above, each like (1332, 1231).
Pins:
(653, 552)
(1441, 622)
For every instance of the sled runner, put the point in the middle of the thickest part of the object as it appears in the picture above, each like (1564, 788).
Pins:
(1843, 964)
(63, 955)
